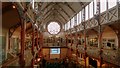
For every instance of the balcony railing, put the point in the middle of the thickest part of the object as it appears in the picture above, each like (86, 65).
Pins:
(81, 48)
(12, 62)
(15, 61)
(54, 44)
(93, 51)
(111, 56)
(108, 55)
(106, 17)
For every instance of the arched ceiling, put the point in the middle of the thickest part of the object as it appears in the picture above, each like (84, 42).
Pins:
(47, 11)
(10, 15)
(11, 19)
(60, 11)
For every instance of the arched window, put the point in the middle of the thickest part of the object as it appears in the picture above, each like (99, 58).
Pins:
(53, 28)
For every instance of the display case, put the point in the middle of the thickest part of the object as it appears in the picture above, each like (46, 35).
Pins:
(93, 41)
(108, 43)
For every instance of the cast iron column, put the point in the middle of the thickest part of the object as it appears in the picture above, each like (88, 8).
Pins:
(37, 39)
(100, 32)
(33, 43)
(23, 22)
(84, 25)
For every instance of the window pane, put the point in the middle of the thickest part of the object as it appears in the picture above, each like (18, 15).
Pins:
(65, 27)
(33, 4)
(103, 5)
(77, 18)
(91, 9)
(80, 17)
(72, 22)
(68, 24)
(86, 12)
(112, 3)
(95, 6)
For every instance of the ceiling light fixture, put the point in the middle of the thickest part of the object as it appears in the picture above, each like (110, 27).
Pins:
(13, 6)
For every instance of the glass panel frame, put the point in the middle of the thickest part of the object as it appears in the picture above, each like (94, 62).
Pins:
(80, 17)
(77, 18)
(112, 3)
(91, 9)
(72, 22)
(103, 5)
(95, 6)
(86, 13)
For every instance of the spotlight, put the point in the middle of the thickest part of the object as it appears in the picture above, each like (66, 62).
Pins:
(13, 6)
(38, 59)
